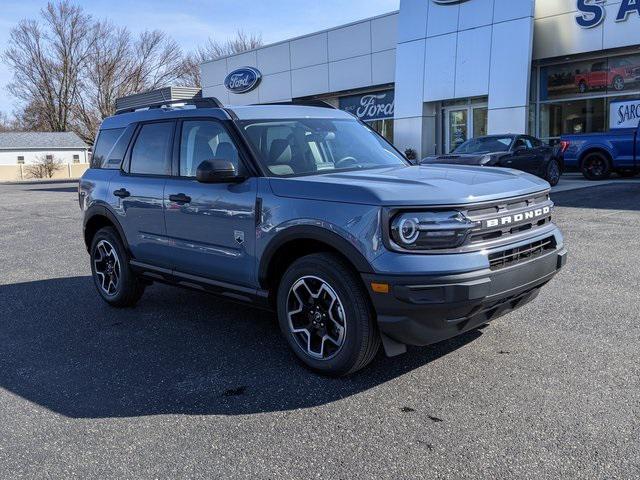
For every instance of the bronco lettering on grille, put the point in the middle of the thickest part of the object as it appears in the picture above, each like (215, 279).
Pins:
(518, 218)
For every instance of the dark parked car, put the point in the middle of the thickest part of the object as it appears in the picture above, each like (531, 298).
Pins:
(521, 152)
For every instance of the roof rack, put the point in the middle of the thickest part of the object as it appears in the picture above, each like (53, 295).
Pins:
(207, 102)
(165, 97)
(305, 103)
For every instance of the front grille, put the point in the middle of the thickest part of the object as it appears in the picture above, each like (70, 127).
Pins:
(513, 256)
(508, 208)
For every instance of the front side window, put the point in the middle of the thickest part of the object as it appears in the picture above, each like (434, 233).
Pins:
(485, 145)
(151, 153)
(309, 146)
(205, 140)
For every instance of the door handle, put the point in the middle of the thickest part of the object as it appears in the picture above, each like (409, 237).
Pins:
(122, 193)
(180, 198)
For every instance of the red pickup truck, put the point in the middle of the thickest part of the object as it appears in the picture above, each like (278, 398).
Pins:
(603, 76)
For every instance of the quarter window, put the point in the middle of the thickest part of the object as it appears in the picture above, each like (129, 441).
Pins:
(151, 152)
(105, 142)
(205, 140)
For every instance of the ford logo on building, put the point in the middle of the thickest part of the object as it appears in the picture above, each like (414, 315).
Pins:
(243, 80)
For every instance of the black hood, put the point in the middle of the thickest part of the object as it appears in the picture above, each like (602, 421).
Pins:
(456, 159)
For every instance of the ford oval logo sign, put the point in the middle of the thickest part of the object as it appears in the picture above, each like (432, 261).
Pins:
(243, 80)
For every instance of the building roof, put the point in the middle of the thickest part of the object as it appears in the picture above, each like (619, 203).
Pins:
(41, 141)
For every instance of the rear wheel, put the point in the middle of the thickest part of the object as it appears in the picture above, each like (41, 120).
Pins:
(552, 172)
(618, 83)
(596, 166)
(325, 315)
(116, 283)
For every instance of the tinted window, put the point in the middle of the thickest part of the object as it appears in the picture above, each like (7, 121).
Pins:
(535, 142)
(205, 140)
(521, 143)
(485, 145)
(106, 140)
(151, 152)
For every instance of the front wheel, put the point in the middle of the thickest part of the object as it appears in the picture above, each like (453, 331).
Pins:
(596, 166)
(552, 172)
(325, 315)
(116, 283)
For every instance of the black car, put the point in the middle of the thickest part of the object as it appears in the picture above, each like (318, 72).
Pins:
(521, 152)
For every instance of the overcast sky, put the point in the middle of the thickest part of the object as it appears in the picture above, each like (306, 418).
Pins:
(190, 22)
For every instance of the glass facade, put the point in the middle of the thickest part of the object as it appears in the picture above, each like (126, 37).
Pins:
(575, 97)
(383, 127)
(463, 119)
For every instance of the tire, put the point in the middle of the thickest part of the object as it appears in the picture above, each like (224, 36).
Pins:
(115, 281)
(552, 172)
(596, 166)
(618, 83)
(582, 87)
(326, 316)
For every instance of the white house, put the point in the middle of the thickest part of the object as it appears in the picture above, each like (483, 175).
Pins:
(18, 148)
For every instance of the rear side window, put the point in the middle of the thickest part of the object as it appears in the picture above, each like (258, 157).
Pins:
(105, 142)
(151, 153)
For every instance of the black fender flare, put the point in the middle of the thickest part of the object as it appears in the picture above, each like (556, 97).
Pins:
(102, 211)
(311, 232)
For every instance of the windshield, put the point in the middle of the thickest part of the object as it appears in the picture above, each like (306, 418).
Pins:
(308, 146)
(485, 145)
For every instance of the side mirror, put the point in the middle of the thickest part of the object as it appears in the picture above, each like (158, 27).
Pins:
(217, 171)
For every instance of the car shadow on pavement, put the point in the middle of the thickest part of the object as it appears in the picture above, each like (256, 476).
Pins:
(613, 196)
(177, 352)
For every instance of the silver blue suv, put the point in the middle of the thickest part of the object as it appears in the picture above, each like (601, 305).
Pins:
(308, 212)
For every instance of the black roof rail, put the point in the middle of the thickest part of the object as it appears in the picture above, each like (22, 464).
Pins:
(305, 103)
(205, 102)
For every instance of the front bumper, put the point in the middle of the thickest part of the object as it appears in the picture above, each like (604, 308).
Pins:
(428, 309)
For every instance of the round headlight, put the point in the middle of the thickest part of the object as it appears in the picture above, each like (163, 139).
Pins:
(408, 230)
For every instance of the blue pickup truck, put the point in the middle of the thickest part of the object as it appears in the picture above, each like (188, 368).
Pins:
(597, 155)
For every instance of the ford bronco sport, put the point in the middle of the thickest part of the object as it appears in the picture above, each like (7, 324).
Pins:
(307, 211)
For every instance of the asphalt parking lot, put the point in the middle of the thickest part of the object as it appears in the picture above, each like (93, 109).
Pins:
(189, 386)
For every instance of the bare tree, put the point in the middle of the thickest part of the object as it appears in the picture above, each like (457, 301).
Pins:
(6, 124)
(45, 166)
(69, 69)
(213, 49)
(119, 66)
(47, 57)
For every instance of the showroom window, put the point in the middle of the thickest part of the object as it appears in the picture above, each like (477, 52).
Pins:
(575, 97)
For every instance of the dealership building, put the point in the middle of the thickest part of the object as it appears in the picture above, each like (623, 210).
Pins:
(438, 72)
